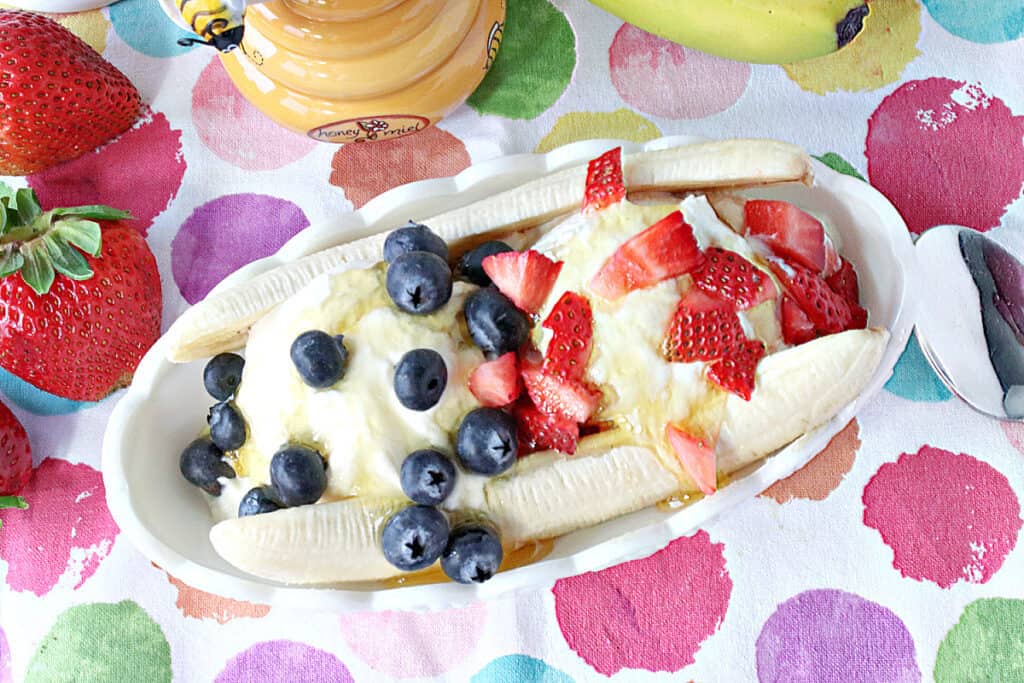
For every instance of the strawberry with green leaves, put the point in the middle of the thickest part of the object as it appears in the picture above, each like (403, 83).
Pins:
(79, 303)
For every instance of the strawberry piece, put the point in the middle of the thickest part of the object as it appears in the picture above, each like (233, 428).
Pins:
(560, 396)
(844, 283)
(539, 431)
(60, 98)
(789, 232)
(496, 383)
(797, 328)
(696, 456)
(15, 454)
(826, 310)
(571, 321)
(733, 278)
(524, 277)
(703, 328)
(858, 318)
(604, 182)
(666, 249)
(735, 373)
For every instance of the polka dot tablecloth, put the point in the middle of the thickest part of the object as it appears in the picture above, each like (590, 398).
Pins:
(894, 557)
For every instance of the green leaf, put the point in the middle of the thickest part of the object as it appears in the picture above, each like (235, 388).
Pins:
(86, 235)
(13, 502)
(3, 219)
(839, 164)
(6, 192)
(96, 212)
(28, 204)
(37, 271)
(11, 262)
(66, 259)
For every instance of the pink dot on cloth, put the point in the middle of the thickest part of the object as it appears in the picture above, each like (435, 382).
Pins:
(947, 517)
(238, 132)
(364, 170)
(284, 661)
(225, 234)
(821, 636)
(66, 529)
(946, 152)
(662, 78)
(414, 644)
(1015, 434)
(651, 613)
(140, 172)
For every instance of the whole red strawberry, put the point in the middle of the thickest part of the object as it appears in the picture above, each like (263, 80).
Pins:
(58, 97)
(15, 455)
(71, 324)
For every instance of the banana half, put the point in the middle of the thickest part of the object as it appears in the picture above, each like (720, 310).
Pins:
(222, 320)
(547, 495)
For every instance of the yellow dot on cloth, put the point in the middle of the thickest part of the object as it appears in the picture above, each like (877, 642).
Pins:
(584, 125)
(875, 58)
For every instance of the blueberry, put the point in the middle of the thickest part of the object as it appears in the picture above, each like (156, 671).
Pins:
(473, 554)
(227, 428)
(420, 379)
(413, 237)
(427, 476)
(419, 282)
(470, 266)
(222, 375)
(414, 537)
(319, 358)
(258, 501)
(487, 441)
(201, 465)
(297, 474)
(495, 323)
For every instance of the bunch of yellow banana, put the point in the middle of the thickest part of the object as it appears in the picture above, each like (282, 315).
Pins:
(760, 31)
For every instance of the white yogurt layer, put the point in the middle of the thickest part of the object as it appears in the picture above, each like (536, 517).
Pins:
(365, 433)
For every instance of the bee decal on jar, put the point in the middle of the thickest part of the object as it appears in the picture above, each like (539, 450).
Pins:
(493, 43)
(217, 22)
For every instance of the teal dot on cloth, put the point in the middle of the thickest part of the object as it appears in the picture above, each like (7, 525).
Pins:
(520, 669)
(102, 643)
(534, 64)
(914, 379)
(34, 399)
(986, 644)
(839, 165)
(994, 21)
(145, 27)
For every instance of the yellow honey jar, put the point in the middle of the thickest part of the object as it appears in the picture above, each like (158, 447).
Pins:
(355, 70)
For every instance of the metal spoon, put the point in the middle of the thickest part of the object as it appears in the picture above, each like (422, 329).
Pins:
(970, 322)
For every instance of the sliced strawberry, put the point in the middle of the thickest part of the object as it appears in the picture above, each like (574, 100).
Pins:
(844, 283)
(567, 398)
(858, 318)
(826, 310)
(797, 328)
(496, 383)
(696, 456)
(791, 233)
(733, 278)
(571, 321)
(524, 277)
(735, 373)
(540, 432)
(604, 182)
(703, 328)
(664, 250)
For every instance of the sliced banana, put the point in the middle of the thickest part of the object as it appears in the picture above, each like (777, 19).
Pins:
(222, 320)
(547, 494)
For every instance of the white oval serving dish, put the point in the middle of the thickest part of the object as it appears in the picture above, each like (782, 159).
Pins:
(169, 522)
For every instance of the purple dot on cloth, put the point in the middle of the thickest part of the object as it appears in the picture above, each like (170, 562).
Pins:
(821, 636)
(226, 233)
(284, 661)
